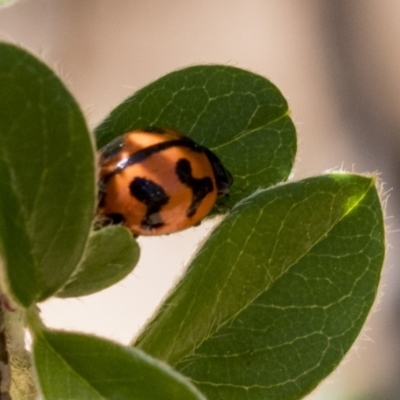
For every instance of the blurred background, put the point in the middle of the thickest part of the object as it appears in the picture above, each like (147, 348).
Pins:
(337, 63)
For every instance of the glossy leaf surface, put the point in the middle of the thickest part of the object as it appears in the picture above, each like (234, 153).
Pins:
(278, 293)
(111, 255)
(76, 366)
(47, 178)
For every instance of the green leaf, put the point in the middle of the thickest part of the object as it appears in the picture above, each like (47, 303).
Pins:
(77, 366)
(111, 255)
(278, 293)
(47, 178)
(239, 115)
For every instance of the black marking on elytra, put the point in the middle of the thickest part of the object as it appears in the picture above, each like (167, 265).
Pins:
(223, 177)
(154, 197)
(200, 187)
(141, 155)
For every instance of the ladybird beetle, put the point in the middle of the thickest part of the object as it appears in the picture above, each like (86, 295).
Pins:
(157, 181)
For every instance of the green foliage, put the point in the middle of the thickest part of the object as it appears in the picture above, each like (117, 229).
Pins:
(47, 178)
(288, 295)
(242, 117)
(96, 369)
(100, 267)
(272, 300)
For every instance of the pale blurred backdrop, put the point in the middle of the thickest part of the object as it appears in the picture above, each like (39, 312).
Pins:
(338, 64)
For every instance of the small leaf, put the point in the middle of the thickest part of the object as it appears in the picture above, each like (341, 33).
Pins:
(239, 115)
(47, 178)
(111, 255)
(278, 293)
(77, 366)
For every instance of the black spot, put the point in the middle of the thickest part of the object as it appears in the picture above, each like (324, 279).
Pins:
(154, 197)
(223, 177)
(200, 187)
